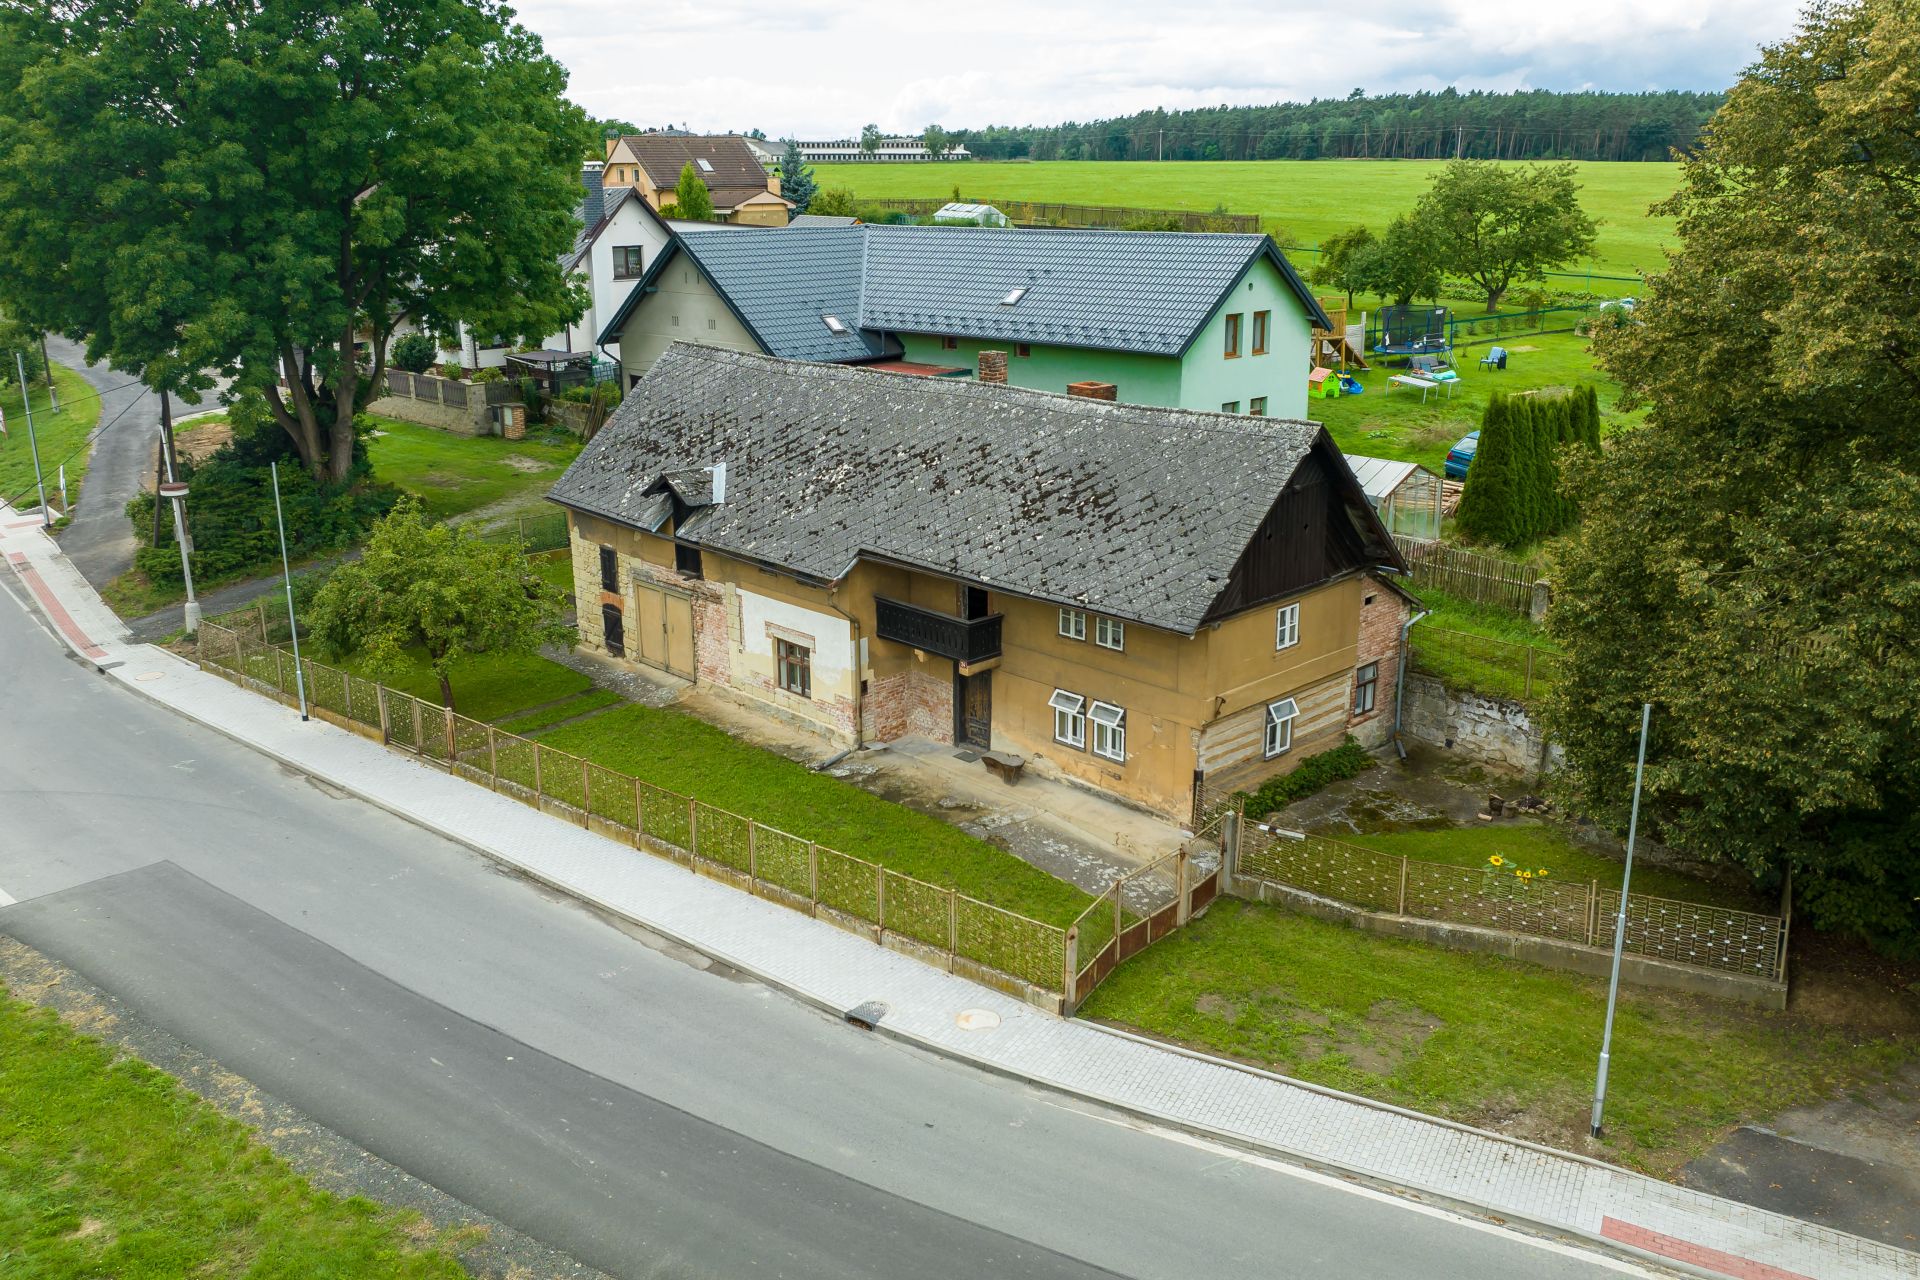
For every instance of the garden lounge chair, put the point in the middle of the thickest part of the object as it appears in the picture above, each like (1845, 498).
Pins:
(1496, 358)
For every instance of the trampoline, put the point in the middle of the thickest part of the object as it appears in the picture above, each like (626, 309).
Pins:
(1412, 331)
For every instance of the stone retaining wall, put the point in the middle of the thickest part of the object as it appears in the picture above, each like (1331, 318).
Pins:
(1491, 730)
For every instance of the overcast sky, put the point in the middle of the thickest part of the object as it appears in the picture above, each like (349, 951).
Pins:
(823, 68)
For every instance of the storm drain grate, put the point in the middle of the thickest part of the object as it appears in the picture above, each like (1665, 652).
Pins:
(866, 1016)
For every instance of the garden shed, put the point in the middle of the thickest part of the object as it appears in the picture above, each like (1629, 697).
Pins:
(1406, 495)
(979, 215)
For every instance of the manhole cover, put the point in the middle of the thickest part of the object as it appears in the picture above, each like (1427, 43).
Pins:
(976, 1019)
(150, 675)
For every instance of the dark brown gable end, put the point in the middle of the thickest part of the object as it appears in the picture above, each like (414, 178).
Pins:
(1320, 527)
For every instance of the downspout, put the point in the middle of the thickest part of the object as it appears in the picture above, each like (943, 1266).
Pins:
(859, 709)
(1400, 682)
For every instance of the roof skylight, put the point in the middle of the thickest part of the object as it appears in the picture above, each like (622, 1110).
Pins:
(835, 324)
(1014, 295)
(704, 166)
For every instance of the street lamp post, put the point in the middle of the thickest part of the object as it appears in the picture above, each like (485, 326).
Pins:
(1620, 924)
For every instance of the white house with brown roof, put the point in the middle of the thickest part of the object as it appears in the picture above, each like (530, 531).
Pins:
(743, 190)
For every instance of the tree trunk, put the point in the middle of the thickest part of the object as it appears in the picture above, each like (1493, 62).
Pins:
(446, 691)
(297, 419)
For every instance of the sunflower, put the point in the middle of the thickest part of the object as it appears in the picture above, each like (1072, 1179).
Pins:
(1496, 861)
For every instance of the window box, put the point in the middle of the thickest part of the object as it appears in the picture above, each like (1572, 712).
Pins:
(1279, 735)
(1109, 731)
(1069, 719)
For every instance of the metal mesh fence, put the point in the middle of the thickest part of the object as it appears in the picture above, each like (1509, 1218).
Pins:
(1694, 933)
(612, 797)
(563, 778)
(784, 861)
(917, 909)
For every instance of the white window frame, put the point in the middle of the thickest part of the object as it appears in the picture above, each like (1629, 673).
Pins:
(1109, 731)
(1286, 627)
(1073, 624)
(1371, 684)
(1069, 719)
(1110, 633)
(1278, 738)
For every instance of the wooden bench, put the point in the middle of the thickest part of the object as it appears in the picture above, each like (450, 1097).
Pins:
(1006, 765)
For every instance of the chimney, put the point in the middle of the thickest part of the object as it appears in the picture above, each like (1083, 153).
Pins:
(993, 367)
(592, 177)
(1094, 390)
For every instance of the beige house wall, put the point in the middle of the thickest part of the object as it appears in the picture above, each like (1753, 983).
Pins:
(684, 307)
(1191, 702)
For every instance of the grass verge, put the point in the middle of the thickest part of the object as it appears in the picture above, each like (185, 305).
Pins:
(1481, 1039)
(109, 1168)
(547, 717)
(674, 750)
(490, 687)
(62, 438)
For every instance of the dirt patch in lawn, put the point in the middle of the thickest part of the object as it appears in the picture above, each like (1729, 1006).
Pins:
(1218, 1007)
(442, 480)
(520, 462)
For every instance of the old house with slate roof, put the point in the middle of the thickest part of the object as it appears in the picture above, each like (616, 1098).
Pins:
(1136, 598)
(1201, 320)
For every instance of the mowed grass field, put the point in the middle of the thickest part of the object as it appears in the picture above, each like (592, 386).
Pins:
(1301, 201)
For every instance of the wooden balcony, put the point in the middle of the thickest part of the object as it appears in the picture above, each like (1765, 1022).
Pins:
(962, 639)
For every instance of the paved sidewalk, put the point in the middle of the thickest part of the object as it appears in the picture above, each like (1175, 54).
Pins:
(1512, 1180)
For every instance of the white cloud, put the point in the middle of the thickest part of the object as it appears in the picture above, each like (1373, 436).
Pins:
(817, 68)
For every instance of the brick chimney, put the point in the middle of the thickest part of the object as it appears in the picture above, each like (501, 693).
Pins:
(592, 178)
(993, 366)
(1094, 390)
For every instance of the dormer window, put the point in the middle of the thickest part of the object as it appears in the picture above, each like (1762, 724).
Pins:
(1013, 296)
(835, 325)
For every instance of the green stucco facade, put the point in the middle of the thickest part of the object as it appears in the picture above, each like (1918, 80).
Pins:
(1204, 378)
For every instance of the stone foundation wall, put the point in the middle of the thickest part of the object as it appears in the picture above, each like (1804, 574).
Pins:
(1491, 730)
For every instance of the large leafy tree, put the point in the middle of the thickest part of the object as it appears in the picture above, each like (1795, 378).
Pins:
(1749, 559)
(691, 199)
(435, 589)
(1499, 224)
(796, 180)
(265, 191)
(936, 140)
(870, 137)
(1342, 255)
(1401, 265)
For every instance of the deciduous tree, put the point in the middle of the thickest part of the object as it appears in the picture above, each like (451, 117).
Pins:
(1401, 265)
(1498, 224)
(1341, 257)
(936, 140)
(869, 140)
(1749, 560)
(692, 201)
(267, 191)
(438, 589)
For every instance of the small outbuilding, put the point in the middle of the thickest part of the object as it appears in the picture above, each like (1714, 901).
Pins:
(1406, 495)
(978, 215)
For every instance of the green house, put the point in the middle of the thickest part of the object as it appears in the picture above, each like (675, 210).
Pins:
(1194, 320)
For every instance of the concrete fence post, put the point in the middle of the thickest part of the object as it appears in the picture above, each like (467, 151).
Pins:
(639, 815)
(813, 878)
(586, 795)
(1401, 909)
(953, 928)
(753, 856)
(380, 699)
(419, 729)
(1229, 849)
(493, 758)
(1593, 909)
(693, 836)
(539, 783)
(346, 693)
(1070, 970)
(880, 900)
(448, 713)
(279, 674)
(1182, 891)
(1117, 884)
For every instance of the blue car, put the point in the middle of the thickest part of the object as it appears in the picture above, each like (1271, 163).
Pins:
(1460, 457)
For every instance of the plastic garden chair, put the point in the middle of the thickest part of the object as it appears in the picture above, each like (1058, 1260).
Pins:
(1496, 358)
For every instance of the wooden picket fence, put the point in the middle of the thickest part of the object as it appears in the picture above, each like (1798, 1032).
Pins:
(1469, 575)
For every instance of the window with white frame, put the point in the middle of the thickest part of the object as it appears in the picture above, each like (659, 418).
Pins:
(1073, 624)
(1069, 718)
(1109, 731)
(1286, 627)
(1366, 685)
(1280, 718)
(1109, 633)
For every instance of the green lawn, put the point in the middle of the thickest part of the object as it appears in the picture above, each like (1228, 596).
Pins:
(1479, 648)
(453, 475)
(110, 1168)
(62, 437)
(546, 717)
(1532, 845)
(489, 687)
(673, 750)
(1305, 200)
(1379, 424)
(1482, 1039)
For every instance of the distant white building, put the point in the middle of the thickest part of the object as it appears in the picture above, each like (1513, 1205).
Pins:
(890, 151)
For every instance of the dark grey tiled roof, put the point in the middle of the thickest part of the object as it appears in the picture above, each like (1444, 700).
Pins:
(1131, 511)
(822, 220)
(1139, 291)
(783, 297)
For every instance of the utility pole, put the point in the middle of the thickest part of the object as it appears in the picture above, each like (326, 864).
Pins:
(1161, 154)
(1620, 925)
(26, 403)
(176, 492)
(1459, 142)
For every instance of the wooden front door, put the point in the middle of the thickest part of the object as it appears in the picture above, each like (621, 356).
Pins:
(973, 710)
(680, 635)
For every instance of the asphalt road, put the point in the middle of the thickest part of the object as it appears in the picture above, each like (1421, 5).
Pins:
(613, 1097)
(100, 541)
